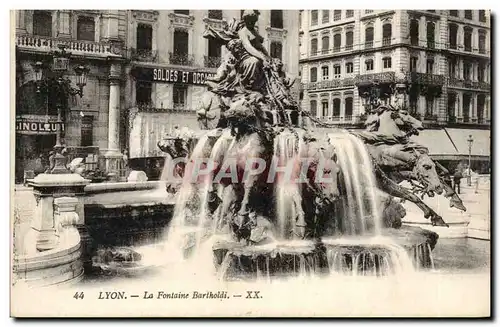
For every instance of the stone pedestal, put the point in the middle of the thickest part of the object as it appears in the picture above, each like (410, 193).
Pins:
(114, 164)
(47, 187)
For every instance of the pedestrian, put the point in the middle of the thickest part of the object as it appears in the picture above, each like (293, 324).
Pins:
(457, 178)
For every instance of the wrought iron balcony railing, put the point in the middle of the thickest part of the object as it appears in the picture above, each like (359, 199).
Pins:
(212, 62)
(147, 55)
(368, 44)
(469, 84)
(424, 78)
(182, 59)
(386, 41)
(88, 48)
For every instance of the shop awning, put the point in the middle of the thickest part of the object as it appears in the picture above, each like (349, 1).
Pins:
(437, 141)
(480, 146)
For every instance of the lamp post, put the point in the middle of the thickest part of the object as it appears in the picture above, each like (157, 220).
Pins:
(54, 84)
(470, 140)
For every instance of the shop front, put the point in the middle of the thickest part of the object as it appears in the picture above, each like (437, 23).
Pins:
(172, 103)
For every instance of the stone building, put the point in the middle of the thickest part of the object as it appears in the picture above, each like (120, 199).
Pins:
(444, 56)
(147, 72)
(170, 59)
(90, 125)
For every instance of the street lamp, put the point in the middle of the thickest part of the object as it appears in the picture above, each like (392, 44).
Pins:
(470, 140)
(56, 85)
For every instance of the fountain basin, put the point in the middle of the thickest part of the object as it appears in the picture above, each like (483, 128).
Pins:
(363, 256)
(61, 265)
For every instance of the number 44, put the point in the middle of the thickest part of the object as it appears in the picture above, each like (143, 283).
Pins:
(79, 295)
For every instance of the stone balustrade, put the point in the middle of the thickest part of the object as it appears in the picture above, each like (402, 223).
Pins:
(83, 48)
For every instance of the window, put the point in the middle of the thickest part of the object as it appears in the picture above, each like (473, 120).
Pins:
(337, 40)
(324, 105)
(143, 91)
(325, 44)
(431, 35)
(368, 11)
(369, 64)
(277, 18)
(349, 68)
(468, 39)
(480, 72)
(314, 47)
(325, 16)
(215, 14)
(482, 42)
(454, 13)
(467, 70)
(430, 66)
(42, 23)
(144, 37)
(452, 68)
(180, 95)
(313, 108)
(276, 50)
(429, 107)
(468, 14)
(87, 128)
(413, 64)
(181, 42)
(349, 40)
(182, 12)
(336, 71)
(482, 16)
(314, 75)
(337, 15)
(348, 108)
(336, 107)
(466, 106)
(387, 62)
(314, 17)
(214, 54)
(324, 71)
(414, 32)
(386, 34)
(349, 13)
(369, 37)
(452, 37)
(85, 29)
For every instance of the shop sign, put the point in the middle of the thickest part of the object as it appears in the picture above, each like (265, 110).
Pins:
(24, 126)
(165, 75)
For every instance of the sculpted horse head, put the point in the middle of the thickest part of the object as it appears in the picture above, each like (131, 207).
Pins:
(426, 174)
(410, 124)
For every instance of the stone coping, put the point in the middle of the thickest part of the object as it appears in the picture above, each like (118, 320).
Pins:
(121, 186)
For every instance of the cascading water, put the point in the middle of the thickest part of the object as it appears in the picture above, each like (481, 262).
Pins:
(288, 147)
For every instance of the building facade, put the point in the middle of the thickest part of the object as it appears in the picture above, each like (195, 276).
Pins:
(170, 59)
(444, 56)
(147, 73)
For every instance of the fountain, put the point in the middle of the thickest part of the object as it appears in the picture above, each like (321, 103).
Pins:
(271, 197)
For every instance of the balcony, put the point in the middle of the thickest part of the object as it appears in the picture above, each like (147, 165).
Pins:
(467, 84)
(414, 41)
(32, 43)
(337, 17)
(425, 79)
(348, 47)
(212, 62)
(181, 59)
(386, 41)
(346, 82)
(387, 77)
(482, 50)
(336, 49)
(452, 119)
(431, 44)
(369, 45)
(145, 55)
(452, 46)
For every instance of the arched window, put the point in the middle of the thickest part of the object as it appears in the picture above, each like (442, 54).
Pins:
(482, 16)
(348, 108)
(313, 75)
(314, 47)
(431, 32)
(482, 42)
(313, 108)
(349, 40)
(414, 32)
(336, 107)
(277, 18)
(325, 44)
(468, 39)
(337, 40)
(215, 14)
(386, 34)
(452, 36)
(324, 105)
(369, 37)
(325, 73)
